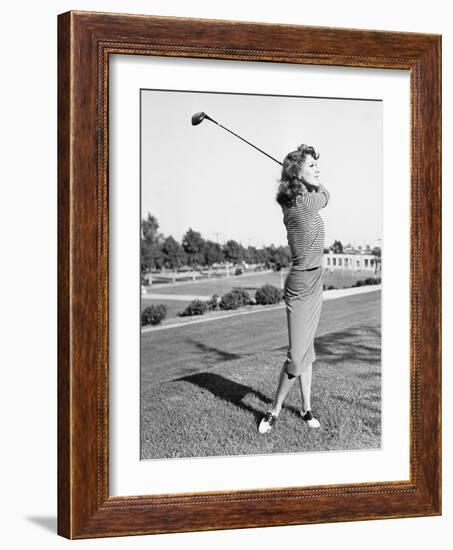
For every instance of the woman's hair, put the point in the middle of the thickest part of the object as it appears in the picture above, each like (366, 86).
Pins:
(290, 182)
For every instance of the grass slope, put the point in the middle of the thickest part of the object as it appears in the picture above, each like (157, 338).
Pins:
(176, 352)
(214, 410)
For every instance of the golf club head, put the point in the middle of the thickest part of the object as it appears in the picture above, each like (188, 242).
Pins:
(197, 118)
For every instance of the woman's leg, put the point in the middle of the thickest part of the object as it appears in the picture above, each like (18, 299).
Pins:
(284, 384)
(305, 387)
(305, 390)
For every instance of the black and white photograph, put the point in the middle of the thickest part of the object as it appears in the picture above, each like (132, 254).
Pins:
(261, 269)
(197, 343)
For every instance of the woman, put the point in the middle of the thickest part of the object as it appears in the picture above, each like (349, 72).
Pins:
(301, 196)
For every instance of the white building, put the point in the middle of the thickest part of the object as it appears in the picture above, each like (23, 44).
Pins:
(352, 261)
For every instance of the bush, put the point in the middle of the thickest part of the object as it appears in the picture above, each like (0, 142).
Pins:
(213, 302)
(268, 294)
(234, 299)
(196, 307)
(245, 296)
(331, 287)
(154, 314)
(238, 271)
(359, 283)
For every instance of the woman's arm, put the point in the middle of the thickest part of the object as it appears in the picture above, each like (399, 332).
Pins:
(322, 189)
(316, 200)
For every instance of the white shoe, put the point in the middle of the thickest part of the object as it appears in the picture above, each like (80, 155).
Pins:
(267, 422)
(309, 419)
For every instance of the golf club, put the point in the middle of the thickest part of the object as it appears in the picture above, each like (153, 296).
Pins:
(197, 118)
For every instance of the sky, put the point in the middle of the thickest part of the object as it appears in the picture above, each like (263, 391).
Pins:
(204, 178)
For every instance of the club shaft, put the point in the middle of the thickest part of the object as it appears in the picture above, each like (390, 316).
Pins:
(248, 142)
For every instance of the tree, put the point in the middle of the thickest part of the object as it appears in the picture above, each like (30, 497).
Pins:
(233, 251)
(376, 251)
(262, 256)
(174, 255)
(337, 247)
(278, 257)
(194, 246)
(251, 255)
(150, 246)
(284, 255)
(213, 253)
(150, 228)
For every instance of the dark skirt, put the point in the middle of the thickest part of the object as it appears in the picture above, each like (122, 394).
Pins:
(303, 298)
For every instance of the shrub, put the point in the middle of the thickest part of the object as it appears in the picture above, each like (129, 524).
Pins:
(196, 307)
(154, 314)
(268, 294)
(368, 281)
(243, 294)
(331, 287)
(238, 271)
(237, 297)
(213, 302)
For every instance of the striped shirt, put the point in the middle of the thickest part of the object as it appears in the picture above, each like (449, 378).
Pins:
(305, 228)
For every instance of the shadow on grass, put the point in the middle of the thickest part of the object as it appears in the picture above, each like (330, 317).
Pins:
(333, 348)
(348, 345)
(215, 353)
(231, 392)
(371, 404)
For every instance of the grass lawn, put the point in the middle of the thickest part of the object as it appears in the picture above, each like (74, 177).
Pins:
(219, 286)
(207, 288)
(344, 279)
(204, 387)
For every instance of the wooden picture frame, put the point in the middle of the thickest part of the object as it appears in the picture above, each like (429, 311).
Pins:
(85, 42)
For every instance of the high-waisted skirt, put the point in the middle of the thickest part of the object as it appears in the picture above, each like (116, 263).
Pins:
(303, 298)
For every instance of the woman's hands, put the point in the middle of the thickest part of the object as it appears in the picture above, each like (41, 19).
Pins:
(312, 186)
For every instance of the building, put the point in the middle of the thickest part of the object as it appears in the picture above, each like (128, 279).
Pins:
(352, 260)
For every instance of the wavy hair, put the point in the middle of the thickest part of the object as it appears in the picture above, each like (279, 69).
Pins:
(290, 183)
